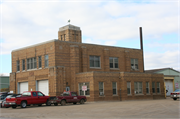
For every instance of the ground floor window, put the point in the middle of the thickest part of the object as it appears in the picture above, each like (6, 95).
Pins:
(114, 87)
(153, 87)
(128, 87)
(101, 88)
(81, 91)
(138, 87)
(147, 87)
(158, 87)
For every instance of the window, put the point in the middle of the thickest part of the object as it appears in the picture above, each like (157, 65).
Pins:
(114, 87)
(26, 94)
(17, 64)
(158, 87)
(46, 60)
(81, 92)
(40, 94)
(101, 88)
(113, 62)
(73, 94)
(34, 94)
(61, 37)
(153, 87)
(138, 87)
(128, 87)
(134, 64)
(31, 63)
(39, 62)
(147, 87)
(23, 64)
(64, 37)
(66, 94)
(94, 61)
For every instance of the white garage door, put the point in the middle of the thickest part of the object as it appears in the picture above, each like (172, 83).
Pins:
(169, 87)
(23, 86)
(43, 86)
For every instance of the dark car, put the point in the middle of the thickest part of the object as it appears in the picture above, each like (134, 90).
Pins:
(4, 104)
(2, 97)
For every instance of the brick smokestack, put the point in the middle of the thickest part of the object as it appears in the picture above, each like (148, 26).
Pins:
(141, 43)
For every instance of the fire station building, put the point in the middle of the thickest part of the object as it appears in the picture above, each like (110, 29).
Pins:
(96, 71)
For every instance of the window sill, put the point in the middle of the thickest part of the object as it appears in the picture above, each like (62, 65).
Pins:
(101, 95)
(134, 69)
(115, 95)
(95, 67)
(129, 94)
(31, 69)
(18, 72)
(138, 94)
(114, 69)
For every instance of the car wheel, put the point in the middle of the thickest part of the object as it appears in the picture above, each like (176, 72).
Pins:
(174, 98)
(74, 103)
(63, 102)
(23, 104)
(48, 103)
(82, 101)
(40, 105)
(14, 106)
(55, 104)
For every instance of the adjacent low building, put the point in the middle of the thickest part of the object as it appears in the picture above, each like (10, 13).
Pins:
(171, 78)
(96, 71)
(4, 83)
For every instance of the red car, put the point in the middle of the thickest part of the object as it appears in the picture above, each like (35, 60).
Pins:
(28, 98)
(68, 97)
(4, 104)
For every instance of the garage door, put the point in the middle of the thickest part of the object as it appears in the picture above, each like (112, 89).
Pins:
(43, 86)
(23, 86)
(169, 87)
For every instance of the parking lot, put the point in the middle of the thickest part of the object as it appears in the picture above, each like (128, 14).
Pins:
(161, 108)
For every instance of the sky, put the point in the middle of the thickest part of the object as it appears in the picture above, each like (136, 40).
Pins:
(105, 22)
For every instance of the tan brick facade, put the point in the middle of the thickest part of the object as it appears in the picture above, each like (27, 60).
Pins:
(69, 65)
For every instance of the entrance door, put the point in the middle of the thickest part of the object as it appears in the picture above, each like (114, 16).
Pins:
(169, 86)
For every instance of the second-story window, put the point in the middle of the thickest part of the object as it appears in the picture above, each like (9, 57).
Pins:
(64, 37)
(31, 63)
(39, 62)
(113, 62)
(134, 64)
(18, 65)
(46, 60)
(94, 61)
(23, 64)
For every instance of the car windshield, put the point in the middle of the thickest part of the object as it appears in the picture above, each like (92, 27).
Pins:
(3, 96)
(177, 90)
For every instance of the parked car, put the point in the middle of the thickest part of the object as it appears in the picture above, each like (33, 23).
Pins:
(4, 104)
(175, 94)
(3, 95)
(67, 97)
(28, 98)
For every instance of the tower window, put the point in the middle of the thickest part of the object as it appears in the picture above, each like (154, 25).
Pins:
(64, 37)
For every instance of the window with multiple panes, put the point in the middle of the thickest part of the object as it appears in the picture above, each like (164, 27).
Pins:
(134, 64)
(18, 65)
(113, 62)
(147, 87)
(81, 92)
(23, 64)
(46, 60)
(128, 87)
(153, 87)
(158, 87)
(31, 63)
(94, 61)
(138, 87)
(114, 87)
(101, 88)
(39, 62)
(61, 37)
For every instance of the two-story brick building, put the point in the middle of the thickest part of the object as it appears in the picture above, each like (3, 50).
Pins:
(105, 72)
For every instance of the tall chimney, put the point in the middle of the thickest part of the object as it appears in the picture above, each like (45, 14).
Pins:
(141, 43)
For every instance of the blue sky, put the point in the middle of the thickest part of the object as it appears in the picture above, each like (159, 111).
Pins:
(105, 22)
